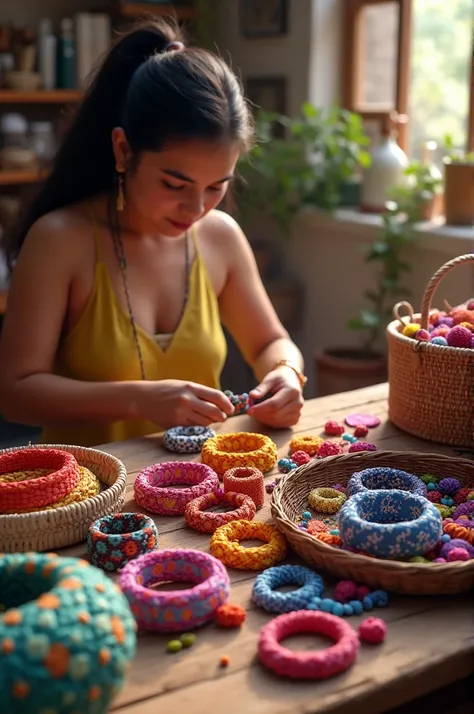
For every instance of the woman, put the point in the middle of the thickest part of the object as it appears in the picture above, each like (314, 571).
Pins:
(124, 269)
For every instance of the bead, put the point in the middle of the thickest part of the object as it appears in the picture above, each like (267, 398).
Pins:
(372, 630)
(269, 487)
(334, 532)
(333, 428)
(174, 646)
(361, 430)
(306, 515)
(224, 661)
(431, 486)
(445, 538)
(439, 340)
(229, 615)
(188, 639)
(347, 437)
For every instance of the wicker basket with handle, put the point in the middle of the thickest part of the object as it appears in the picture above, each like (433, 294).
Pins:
(290, 499)
(431, 386)
(60, 527)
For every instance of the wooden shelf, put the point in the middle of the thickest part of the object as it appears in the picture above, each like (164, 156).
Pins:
(40, 96)
(132, 9)
(21, 176)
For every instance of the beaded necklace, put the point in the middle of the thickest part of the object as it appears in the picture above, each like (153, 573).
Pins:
(119, 250)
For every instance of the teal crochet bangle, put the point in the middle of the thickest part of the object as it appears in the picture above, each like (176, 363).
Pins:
(66, 650)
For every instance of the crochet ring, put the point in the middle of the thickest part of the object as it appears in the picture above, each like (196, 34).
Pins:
(326, 500)
(264, 594)
(187, 439)
(387, 478)
(114, 540)
(207, 522)
(154, 486)
(225, 545)
(320, 664)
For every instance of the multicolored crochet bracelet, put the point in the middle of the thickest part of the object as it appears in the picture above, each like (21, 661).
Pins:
(114, 540)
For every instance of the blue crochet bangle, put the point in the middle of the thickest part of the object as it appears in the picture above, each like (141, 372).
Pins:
(187, 439)
(389, 523)
(67, 635)
(264, 595)
(383, 477)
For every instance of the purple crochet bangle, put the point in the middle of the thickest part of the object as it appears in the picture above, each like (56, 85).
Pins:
(153, 487)
(176, 610)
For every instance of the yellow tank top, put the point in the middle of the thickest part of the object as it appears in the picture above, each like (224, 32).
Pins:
(101, 347)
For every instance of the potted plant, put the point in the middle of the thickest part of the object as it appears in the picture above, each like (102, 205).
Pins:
(458, 185)
(346, 368)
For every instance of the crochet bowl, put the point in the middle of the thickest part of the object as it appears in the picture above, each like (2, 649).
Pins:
(59, 527)
(290, 499)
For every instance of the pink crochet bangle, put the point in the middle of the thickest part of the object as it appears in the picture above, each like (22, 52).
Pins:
(153, 486)
(18, 495)
(174, 610)
(248, 480)
(320, 664)
(207, 521)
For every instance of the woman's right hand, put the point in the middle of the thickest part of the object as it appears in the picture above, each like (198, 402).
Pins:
(174, 402)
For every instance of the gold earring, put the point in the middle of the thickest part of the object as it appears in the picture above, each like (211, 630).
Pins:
(120, 194)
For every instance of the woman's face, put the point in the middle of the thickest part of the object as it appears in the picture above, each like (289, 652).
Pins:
(171, 189)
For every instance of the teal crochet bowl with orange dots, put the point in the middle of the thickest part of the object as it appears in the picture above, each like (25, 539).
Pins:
(67, 635)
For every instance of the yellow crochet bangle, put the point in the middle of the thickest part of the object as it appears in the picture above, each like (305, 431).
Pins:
(88, 486)
(309, 444)
(226, 451)
(226, 547)
(326, 500)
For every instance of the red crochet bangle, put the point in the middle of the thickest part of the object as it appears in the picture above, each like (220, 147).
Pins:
(248, 480)
(208, 521)
(36, 492)
(320, 664)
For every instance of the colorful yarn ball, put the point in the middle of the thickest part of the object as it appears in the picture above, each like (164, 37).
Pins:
(329, 448)
(300, 457)
(361, 430)
(362, 446)
(458, 554)
(461, 496)
(230, 615)
(422, 335)
(461, 314)
(334, 428)
(316, 526)
(372, 630)
(411, 329)
(440, 331)
(454, 543)
(439, 340)
(459, 337)
(434, 496)
(434, 317)
(449, 486)
(345, 591)
(464, 509)
(446, 320)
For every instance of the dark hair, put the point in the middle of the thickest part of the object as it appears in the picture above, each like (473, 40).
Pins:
(157, 97)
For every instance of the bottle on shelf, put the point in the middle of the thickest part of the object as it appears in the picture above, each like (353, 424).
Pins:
(66, 74)
(47, 49)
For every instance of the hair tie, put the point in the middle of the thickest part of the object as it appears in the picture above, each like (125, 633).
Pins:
(174, 46)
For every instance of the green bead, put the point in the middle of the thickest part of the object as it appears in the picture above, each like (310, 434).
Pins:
(188, 639)
(174, 646)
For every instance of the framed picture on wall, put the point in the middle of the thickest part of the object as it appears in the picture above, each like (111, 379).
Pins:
(269, 94)
(263, 18)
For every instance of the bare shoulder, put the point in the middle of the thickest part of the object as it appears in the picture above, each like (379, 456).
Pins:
(222, 231)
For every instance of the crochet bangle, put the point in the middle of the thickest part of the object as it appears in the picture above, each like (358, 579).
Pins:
(225, 545)
(225, 451)
(88, 486)
(264, 593)
(326, 500)
(320, 664)
(154, 492)
(18, 495)
(67, 635)
(247, 480)
(309, 444)
(389, 523)
(114, 540)
(207, 521)
(387, 478)
(178, 610)
(187, 439)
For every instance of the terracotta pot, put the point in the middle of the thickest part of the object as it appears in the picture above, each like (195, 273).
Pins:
(459, 193)
(345, 369)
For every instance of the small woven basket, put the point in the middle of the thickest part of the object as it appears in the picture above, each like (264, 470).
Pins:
(431, 387)
(290, 499)
(60, 527)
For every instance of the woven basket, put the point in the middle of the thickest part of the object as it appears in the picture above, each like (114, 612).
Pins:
(60, 527)
(290, 499)
(431, 386)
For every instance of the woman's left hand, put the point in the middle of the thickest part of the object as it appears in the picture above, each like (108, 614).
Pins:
(283, 408)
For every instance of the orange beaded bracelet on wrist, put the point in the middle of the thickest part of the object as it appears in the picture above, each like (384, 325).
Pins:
(226, 451)
(16, 495)
(207, 521)
(248, 480)
(226, 547)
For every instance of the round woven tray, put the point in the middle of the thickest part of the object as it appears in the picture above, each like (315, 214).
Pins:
(290, 499)
(60, 527)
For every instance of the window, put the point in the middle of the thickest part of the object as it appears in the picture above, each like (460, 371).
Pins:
(414, 57)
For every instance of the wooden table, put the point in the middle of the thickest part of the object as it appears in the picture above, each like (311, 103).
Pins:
(430, 640)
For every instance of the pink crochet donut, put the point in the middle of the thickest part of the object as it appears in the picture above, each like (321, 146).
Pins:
(154, 486)
(207, 521)
(320, 664)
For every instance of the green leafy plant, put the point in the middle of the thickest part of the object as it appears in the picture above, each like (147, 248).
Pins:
(455, 155)
(386, 253)
(308, 164)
